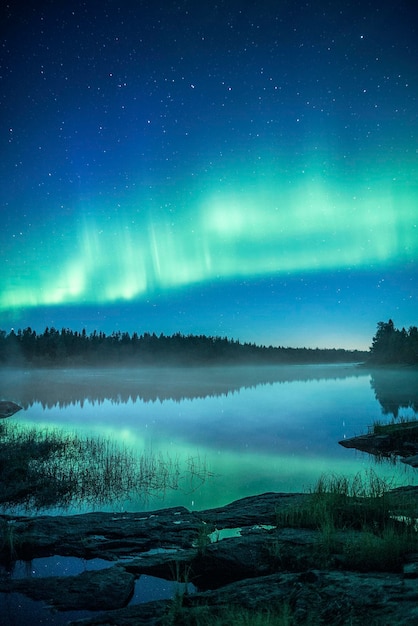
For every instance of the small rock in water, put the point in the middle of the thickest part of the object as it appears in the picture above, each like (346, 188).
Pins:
(410, 570)
(411, 460)
(8, 408)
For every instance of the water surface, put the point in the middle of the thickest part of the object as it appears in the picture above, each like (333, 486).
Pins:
(256, 429)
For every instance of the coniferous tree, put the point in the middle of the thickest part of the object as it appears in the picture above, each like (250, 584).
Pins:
(392, 346)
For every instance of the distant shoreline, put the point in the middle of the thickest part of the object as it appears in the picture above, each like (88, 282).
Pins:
(161, 365)
(66, 348)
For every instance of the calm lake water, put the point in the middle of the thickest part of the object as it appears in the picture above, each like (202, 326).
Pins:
(253, 429)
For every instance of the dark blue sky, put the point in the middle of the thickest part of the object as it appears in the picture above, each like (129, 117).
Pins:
(246, 169)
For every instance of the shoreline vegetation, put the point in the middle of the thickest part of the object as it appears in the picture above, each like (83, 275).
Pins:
(65, 347)
(50, 468)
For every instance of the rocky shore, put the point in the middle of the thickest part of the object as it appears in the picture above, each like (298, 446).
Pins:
(397, 441)
(263, 566)
(7, 409)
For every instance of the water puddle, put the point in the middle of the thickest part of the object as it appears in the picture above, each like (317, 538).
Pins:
(148, 588)
(228, 533)
(224, 533)
(18, 610)
(53, 566)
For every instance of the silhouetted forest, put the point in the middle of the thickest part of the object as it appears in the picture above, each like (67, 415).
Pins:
(394, 347)
(69, 347)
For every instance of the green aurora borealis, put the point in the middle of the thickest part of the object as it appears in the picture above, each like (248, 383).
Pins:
(257, 230)
(245, 170)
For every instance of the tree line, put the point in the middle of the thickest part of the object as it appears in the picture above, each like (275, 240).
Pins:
(79, 348)
(392, 346)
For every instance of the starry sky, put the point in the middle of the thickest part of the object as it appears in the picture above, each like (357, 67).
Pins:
(241, 169)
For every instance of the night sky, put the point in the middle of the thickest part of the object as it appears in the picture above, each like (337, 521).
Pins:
(242, 169)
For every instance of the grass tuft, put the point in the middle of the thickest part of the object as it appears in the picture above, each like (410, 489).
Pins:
(382, 527)
(233, 616)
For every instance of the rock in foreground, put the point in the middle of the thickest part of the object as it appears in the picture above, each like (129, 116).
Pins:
(7, 408)
(93, 590)
(265, 566)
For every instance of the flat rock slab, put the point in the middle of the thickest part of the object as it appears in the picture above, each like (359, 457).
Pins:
(103, 535)
(114, 536)
(315, 597)
(7, 409)
(262, 568)
(398, 440)
(261, 509)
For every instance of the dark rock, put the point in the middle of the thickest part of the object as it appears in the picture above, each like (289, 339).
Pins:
(308, 577)
(411, 460)
(104, 535)
(263, 568)
(258, 553)
(410, 568)
(337, 598)
(252, 510)
(7, 409)
(148, 614)
(163, 564)
(230, 560)
(255, 554)
(398, 442)
(368, 443)
(113, 536)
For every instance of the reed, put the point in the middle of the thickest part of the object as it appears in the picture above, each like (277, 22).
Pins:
(42, 468)
(381, 524)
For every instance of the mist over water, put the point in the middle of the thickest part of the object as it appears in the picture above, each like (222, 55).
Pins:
(255, 429)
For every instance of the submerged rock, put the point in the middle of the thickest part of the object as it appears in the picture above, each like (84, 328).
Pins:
(7, 408)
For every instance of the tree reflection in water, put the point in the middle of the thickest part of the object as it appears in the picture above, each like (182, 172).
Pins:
(395, 389)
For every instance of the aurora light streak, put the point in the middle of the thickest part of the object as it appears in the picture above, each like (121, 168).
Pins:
(160, 166)
(309, 227)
